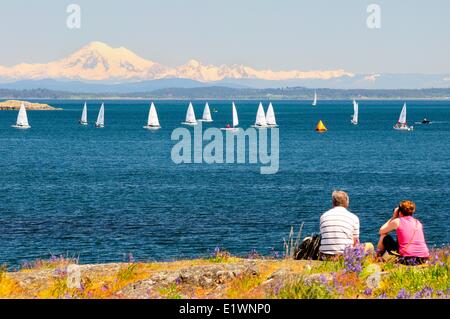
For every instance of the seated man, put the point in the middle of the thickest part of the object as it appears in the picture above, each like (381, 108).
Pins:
(339, 228)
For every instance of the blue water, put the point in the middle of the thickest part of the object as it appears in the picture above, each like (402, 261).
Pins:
(103, 193)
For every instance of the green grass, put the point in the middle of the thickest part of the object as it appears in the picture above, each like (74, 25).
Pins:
(300, 289)
(127, 273)
(431, 280)
(170, 292)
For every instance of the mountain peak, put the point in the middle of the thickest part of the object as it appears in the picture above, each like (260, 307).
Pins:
(194, 63)
(98, 61)
(98, 45)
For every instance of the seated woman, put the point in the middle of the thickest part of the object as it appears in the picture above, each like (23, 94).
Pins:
(410, 245)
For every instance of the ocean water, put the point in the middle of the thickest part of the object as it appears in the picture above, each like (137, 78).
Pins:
(101, 194)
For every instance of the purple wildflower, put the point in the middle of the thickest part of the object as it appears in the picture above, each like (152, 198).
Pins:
(275, 253)
(277, 288)
(353, 257)
(426, 292)
(323, 279)
(178, 280)
(60, 272)
(403, 294)
(368, 292)
(130, 258)
(253, 254)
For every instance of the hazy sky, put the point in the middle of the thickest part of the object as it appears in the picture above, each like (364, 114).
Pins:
(265, 34)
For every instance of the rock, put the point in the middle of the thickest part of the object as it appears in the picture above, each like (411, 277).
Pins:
(206, 277)
(15, 105)
(374, 280)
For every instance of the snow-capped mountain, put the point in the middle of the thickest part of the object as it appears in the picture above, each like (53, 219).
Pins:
(99, 62)
(99, 67)
(94, 62)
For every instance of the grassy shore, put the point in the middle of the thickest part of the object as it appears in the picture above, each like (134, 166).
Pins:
(355, 275)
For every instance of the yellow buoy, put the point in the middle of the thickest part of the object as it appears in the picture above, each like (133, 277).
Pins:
(321, 127)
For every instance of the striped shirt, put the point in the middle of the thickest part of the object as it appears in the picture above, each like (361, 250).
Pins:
(338, 227)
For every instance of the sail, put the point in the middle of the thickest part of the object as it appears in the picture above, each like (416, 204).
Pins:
(190, 115)
(402, 118)
(270, 116)
(260, 116)
(315, 99)
(22, 119)
(101, 116)
(235, 116)
(355, 112)
(153, 116)
(84, 114)
(207, 113)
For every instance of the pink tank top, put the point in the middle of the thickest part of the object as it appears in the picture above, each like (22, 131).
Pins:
(411, 240)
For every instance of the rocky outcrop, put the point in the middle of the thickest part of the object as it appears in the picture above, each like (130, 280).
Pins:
(211, 277)
(15, 105)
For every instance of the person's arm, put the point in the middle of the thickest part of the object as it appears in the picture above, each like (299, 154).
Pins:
(356, 234)
(391, 224)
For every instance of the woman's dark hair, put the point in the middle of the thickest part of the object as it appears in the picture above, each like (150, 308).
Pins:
(407, 208)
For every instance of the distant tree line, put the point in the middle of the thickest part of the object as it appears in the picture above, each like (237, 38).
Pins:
(220, 92)
(34, 93)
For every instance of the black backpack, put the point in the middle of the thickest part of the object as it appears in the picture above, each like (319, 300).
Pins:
(309, 248)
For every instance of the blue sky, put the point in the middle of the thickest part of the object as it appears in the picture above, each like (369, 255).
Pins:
(265, 34)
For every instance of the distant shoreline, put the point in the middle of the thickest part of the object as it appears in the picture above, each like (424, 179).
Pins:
(214, 93)
(220, 99)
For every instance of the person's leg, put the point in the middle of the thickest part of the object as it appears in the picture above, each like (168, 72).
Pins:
(412, 261)
(390, 245)
(380, 246)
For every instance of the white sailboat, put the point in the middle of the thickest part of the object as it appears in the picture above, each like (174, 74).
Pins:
(22, 119)
(260, 117)
(153, 121)
(190, 116)
(83, 120)
(100, 123)
(355, 113)
(314, 103)
(402, 125)
(206, 114)
(270, 116)
(233, 128)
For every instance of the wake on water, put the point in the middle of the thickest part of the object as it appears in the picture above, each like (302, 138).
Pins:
(432, 122)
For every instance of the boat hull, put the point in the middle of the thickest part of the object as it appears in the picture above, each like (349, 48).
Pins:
(99, 126)
(404, 128)
(261, 127)
(189, 123)
(207, 121)
(21, 127)
(230, 129)
(354, 123)
(152, 128)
